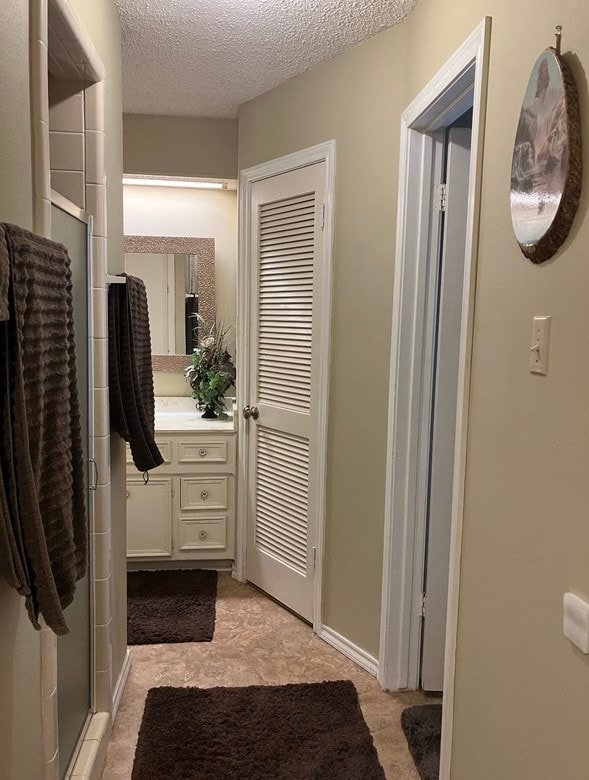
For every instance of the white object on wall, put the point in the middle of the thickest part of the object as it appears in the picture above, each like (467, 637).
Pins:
(575, 623)
(540, 345)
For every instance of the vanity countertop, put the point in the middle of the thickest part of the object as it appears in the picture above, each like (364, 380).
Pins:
(179, 414)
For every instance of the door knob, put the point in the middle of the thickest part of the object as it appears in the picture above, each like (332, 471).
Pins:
(255, 413)
(247, 412)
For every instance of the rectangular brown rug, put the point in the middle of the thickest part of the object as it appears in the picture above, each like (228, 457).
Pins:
(423, 729)
(308, 731)
(171, 605)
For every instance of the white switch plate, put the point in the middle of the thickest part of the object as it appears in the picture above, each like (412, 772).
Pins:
(575, 623)
(540, 346)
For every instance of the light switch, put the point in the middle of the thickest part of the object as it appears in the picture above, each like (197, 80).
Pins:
(540, 345)
(575, 623)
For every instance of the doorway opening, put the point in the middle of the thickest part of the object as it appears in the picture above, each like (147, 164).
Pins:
(437, 234)
(438, 427)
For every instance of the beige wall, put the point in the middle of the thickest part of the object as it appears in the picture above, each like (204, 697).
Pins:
(15, 157)
(102, 23)
(180, 146)
(20, 716)
(521, 689)
(159, 211)
(355, 99)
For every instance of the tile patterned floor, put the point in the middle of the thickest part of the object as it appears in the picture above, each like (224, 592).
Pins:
(256, 643)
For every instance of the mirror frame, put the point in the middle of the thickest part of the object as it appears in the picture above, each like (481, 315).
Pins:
(181, 245)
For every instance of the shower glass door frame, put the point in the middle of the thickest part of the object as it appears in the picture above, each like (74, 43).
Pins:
(62, 203)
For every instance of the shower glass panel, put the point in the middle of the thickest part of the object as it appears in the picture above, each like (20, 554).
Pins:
(74, 672)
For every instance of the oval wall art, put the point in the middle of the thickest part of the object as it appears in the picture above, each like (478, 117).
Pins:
(547, 164)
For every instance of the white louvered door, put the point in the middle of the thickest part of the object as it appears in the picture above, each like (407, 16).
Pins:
(286, 275)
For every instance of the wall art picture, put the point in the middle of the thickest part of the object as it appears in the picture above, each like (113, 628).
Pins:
(547, 164)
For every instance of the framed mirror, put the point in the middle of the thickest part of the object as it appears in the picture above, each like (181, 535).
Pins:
(179, 276)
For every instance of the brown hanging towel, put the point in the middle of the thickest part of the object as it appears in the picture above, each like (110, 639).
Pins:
(132, 403)
(43, 523)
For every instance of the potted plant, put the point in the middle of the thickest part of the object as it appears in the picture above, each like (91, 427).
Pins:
(211, 372)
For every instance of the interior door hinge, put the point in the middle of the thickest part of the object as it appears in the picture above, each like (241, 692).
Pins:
(423, 598)
(314, 558)
(323, 217)
(440, 197)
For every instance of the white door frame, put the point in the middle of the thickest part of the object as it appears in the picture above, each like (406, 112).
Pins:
(324, 152)
(460, 83)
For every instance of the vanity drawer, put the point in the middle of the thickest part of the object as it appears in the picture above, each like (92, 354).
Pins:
(202, 534)
(198, 493)
(165, 447)
(202, 451)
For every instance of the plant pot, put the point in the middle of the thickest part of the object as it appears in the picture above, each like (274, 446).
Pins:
(209, 413)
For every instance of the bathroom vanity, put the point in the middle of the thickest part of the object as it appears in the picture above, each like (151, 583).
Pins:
(186, 511)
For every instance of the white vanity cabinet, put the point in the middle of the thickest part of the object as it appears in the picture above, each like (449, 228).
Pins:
(149, 517)
(186, 511)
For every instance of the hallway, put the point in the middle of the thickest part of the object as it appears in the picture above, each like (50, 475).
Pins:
(256, 643)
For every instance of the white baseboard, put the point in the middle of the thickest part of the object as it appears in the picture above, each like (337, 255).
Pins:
(90, 757)
(350, 650)
(120, 686)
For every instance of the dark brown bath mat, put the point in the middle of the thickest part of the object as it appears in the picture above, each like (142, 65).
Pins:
(258, 732)
(423, 728)
(173, 605)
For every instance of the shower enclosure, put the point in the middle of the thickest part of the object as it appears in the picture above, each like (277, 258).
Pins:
(72, 227)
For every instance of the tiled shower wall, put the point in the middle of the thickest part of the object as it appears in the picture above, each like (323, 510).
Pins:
(67, 152)
(69, 139)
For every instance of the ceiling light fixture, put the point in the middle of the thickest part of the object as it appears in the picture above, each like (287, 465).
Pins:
(196, 185)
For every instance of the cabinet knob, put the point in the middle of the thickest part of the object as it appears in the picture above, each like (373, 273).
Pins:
(202, 452)
(204, 494)
(202, 534)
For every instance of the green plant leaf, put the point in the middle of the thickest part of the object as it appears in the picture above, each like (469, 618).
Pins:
(211, 371)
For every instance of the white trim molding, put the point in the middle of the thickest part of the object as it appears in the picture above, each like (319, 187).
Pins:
(90, 758)
(321, 153)
(359, 656)
(120, 683)
(458, 85)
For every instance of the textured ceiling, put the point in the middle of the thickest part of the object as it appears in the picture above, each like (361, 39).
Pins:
(205, 57)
